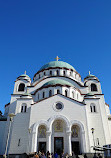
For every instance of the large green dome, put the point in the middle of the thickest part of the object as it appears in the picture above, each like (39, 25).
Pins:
(58, 82)
(57, 64)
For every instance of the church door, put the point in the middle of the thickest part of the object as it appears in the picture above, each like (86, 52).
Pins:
(42, 147)
(75, 147)
(58, 145)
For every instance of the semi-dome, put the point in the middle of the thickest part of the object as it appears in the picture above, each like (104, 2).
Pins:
(61, 64)
(58, 82)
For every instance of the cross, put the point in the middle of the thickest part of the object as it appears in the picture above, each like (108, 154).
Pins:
(25, 72)
(89, 72)
(57, 58)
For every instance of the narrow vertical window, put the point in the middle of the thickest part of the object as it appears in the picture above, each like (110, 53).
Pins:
(38, 96)
(58, 91)
(50, 73)
(57, 72)
(50, 93)
(25, 108)
(22, 109)
(19, 142)
(91, 108)
(39, 76)
(44, 73)
(94, 108)
(43, 95)
(64, 73)
(66, 93)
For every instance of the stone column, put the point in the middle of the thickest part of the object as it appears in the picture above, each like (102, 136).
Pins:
(69, 142)
(48, 139)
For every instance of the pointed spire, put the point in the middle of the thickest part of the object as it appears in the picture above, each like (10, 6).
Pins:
(25, 72)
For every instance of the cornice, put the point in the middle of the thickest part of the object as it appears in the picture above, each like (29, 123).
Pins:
(55, 68)
(61, 95)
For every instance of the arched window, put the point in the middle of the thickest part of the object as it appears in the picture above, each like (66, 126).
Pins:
(57, 72)
(24, 107)
(39, 76)
(66, 93)
(21, 87)
(70, 73)
(43, 94)
(44, 73)
(73, 94)
(58, 91)
(50, 73)
(50, 93)
(93, 107)
(75, 131)
(38, 96)
(64, 73)
(42, 131)
(93, 87)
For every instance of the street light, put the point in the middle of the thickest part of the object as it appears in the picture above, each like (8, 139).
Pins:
(11, 115)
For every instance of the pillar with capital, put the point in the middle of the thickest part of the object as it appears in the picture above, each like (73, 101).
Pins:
(69, 142)
(48, 136)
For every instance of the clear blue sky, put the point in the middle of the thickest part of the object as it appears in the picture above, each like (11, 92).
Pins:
(33, 33)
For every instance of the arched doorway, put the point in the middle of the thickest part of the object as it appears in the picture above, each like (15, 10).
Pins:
(75, 139)
(58, 136)
(42, 138)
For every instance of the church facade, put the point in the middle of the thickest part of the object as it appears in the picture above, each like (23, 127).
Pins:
(56, 112)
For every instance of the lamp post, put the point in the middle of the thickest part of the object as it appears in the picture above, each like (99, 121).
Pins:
(11, 115)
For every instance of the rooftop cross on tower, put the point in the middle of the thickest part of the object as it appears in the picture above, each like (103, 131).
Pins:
(25, 72)
(57, 58)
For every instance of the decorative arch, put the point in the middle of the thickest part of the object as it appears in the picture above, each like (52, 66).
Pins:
(78, 123)
(82, 134)
(21, 87)
(56, 117)
(35, 133)
(93, 87)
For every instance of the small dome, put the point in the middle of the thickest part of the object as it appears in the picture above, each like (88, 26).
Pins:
(90, 76)
(24, 76)
(58, 82)
(57, 64)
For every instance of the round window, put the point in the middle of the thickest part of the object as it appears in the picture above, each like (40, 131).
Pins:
(58, 106)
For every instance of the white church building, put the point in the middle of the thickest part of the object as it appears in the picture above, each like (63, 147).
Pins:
(56, 112)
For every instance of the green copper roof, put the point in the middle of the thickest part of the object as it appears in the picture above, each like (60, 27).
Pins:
(57, 64)
(89, 94)
(24, 75)
(58, 81)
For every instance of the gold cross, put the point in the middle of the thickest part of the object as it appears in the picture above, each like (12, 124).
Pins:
(25, 72)
(57, 58)
(89, 72)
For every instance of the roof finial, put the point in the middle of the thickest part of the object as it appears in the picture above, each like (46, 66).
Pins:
(25, 72)
(89, 72)
(57, 58)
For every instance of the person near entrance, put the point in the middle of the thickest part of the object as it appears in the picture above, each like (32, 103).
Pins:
(55, 155)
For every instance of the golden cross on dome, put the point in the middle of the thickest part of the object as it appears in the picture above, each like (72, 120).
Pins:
(25, 72)
(57, 58)
(89, 72)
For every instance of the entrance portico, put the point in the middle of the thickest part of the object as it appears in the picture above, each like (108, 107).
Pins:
(58, 131)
